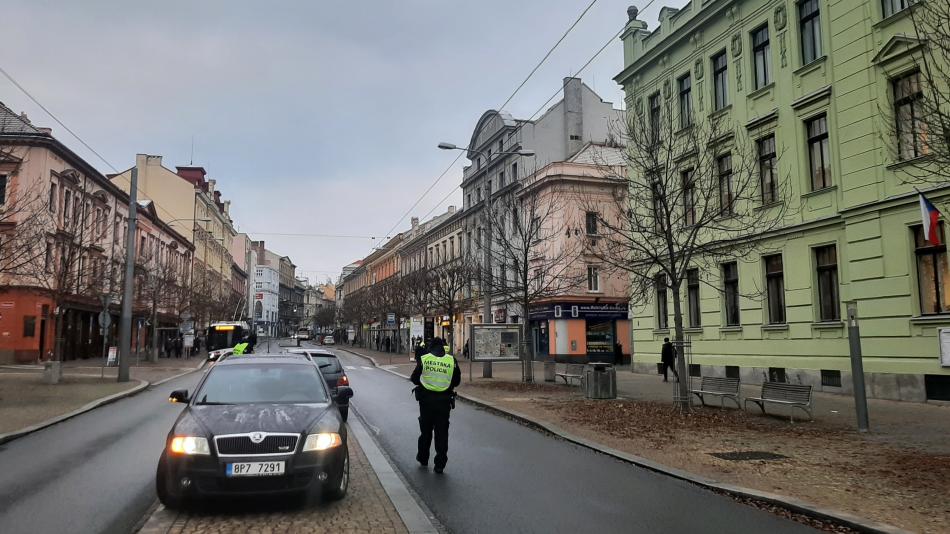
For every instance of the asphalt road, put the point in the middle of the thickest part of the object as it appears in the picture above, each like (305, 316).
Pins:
(92, 473)
(505, 477)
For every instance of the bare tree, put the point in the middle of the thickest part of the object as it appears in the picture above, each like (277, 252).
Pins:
(700, 194)
(445, 286)
(21, 215)
(532, 259)
(159, 280)
(918, 117)
(325, 316)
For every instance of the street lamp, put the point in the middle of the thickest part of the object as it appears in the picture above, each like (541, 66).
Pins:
(487, 367)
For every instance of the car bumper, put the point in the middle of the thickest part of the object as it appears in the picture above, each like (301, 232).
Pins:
(206, 475)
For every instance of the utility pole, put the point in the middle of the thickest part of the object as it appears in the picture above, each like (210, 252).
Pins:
(486, 274)
(125, 323)
(857, 367)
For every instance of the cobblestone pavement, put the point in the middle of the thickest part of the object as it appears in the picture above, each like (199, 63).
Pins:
(366, 508)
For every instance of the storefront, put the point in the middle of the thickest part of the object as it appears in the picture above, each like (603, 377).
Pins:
(580, 333)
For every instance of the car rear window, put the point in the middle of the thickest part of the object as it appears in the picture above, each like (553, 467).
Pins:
(328, 364)
(262, 384)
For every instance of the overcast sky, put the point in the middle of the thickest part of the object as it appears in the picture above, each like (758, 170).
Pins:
(316, 116)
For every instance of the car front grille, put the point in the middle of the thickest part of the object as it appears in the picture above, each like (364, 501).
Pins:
(242, 445)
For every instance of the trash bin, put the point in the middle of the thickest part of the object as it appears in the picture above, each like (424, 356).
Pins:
(600, 381)
(549, 369)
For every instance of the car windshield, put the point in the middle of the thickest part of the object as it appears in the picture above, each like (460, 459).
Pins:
(265, 383)
(328, 364)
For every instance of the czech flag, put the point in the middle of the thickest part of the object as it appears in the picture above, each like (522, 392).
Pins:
(929, 216)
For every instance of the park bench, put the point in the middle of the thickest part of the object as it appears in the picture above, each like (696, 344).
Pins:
(724, 388)
(570, 372)
(793, 395)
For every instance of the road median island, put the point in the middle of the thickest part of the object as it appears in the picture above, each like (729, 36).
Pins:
(27, 404)
(366, 508)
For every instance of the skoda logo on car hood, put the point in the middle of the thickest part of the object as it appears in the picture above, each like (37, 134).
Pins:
(257, 437)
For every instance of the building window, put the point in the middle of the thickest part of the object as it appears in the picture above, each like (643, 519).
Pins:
(726, 189)
(932, 272)
(52, 198)
(818, 155)
(591, 223)
(452, 247)
(895, 6)
(593, 278)
(775, 288)
(826, 259)
(692, 298)
(689, 197)
(479, 192)
(48, 257)
(910, 131)
(810, 26)
(29, 326)
(730, 289)
(501, 145)
(514, 172)
(661, 313)
(761, 56)
(686, 101)
(66, 201)
(767, 171)
(3, 189)
(655, 115)
(720, 67)
(501, 179)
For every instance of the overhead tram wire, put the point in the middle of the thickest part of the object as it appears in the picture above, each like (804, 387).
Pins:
(510, 97)
(544, 105)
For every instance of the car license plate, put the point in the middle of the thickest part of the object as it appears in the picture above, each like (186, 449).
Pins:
(255, 469)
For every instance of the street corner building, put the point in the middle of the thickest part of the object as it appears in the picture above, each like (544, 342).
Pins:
(63, 229)
(825, 95)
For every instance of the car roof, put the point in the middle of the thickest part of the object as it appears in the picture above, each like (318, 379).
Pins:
(321, 352)
(264, 358)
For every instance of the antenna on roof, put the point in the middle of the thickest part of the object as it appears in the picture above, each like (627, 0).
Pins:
(192, 161)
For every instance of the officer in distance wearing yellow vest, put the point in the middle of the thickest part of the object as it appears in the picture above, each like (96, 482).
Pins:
(240, 348)
(436, 376)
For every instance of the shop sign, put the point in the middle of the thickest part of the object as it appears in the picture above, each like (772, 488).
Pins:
(501, 315)
(6, 304)
(575, 311)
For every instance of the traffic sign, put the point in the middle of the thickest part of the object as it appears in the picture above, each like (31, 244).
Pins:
(105, 319)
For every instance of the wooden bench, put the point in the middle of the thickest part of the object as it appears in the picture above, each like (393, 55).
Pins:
(724, 388)
(793, 395)
(570, 372)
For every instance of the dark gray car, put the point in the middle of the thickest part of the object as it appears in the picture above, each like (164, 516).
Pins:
(333, 373)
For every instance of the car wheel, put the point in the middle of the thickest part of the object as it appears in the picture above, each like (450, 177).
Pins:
(336, 487)
(166, 495)
(344, 412)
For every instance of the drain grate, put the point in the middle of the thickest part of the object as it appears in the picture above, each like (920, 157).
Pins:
(744, 456)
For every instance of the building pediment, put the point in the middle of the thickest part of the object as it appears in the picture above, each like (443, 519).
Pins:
(897, 47)
(488, 126)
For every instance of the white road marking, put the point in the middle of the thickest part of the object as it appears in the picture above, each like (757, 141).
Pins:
(351, 367)
(367, 368)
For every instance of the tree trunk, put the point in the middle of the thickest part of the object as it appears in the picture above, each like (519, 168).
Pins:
(153, 355)
(528, 359)
(58, 335)
(681, 370)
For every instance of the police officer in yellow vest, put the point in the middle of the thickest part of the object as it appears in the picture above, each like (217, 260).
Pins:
(436, 376)
(240, 348)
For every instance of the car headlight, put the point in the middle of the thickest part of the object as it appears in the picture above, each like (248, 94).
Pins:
(189, 445)
(322, 441)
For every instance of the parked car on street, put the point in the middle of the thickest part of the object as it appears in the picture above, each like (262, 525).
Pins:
(328, 340)
(333, 373)
(259, 424)
(303, 334)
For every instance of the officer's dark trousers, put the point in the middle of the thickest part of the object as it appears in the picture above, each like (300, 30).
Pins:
(434, 417)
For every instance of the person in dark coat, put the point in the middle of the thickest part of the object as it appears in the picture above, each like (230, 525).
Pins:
(251, 341)
(618, 354)
(668, 359)
(420, 348)
(435, 392)
(178, 344)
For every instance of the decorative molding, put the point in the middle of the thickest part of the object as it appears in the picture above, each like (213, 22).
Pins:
(781, 17)
(810, 98)
(898, 46)
(736, 45)
(737, 67)
(698, 68)
(783, 50)
(667, 89)
(639, 106)
(762, 120)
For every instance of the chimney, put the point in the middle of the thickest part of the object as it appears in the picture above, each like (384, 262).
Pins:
(415, 222)
(45, 131)
(153, 160)
(573, 116)
(211, 186)
(24, 118)
(451, 209)
(227, 207)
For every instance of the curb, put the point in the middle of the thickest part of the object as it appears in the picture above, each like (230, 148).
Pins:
(10, 436)
(160, 520)
(413, 516)
(843, 518)
(179, 375)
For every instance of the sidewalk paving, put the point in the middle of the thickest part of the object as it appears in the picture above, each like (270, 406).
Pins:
(366, 508)
(897, 474)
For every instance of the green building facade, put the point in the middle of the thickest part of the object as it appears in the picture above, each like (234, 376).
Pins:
(825, 84)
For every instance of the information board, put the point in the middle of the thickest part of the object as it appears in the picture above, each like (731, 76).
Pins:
(113, 358)
(944, 347)
(495, 342)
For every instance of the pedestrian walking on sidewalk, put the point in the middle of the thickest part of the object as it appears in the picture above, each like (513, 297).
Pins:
(668, 359)
(178, 344)
(436, 376)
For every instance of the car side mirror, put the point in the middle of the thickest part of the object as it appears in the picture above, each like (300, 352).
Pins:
(179, 395)
(344, 393)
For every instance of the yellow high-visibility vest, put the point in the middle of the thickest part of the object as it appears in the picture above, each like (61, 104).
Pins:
(239, 349)
(437, 372)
